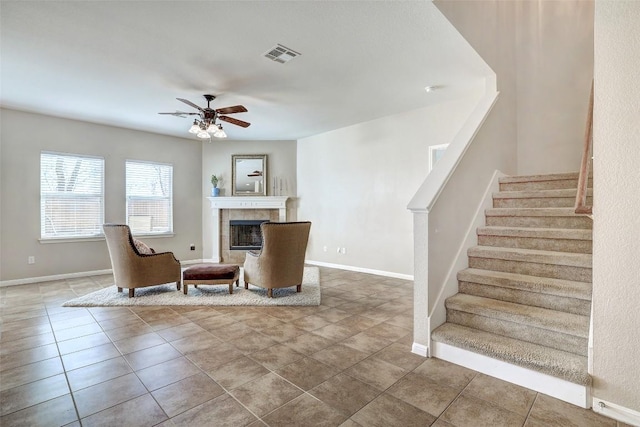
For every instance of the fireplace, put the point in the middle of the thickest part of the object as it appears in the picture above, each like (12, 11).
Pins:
(226, 209)
(245, 234)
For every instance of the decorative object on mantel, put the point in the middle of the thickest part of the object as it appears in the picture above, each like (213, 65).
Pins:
(206, 125)
(207, 295)
(215, 191)
(279, 186)
(249, 175)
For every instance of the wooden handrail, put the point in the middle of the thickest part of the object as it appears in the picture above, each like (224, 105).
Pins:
(581, 206)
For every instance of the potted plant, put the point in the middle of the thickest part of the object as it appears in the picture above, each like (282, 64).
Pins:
(215, 191)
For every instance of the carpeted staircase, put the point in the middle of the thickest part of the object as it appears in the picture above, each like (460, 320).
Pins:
(526, 297)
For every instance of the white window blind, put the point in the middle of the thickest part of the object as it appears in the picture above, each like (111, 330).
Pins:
(149, 197)
(71, 196)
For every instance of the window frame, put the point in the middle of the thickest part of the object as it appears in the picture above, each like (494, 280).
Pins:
(128, 198)
(44, 195)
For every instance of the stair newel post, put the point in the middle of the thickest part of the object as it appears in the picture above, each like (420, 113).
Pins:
(421, 327)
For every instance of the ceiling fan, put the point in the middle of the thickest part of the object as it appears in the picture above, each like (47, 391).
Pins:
(207, 124)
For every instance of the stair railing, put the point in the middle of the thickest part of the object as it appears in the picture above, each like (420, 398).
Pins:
(581, 206)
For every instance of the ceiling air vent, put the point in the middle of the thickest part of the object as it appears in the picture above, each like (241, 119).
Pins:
(281, 54)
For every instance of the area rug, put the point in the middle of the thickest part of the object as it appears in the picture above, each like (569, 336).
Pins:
(211, 295)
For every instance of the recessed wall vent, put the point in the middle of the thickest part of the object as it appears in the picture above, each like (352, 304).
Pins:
(281, 54)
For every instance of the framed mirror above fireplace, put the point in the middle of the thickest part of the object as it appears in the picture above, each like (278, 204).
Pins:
(249, 175)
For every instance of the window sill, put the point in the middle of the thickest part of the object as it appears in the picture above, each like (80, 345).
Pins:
(72, 239)
(152, 235)
(100, 238)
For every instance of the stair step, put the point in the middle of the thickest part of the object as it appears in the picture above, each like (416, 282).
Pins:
(549, 239)
(538, 198)
(557, 321)
(557, 265)
(555, 294)
(540, 182)
(555, 329)
(537, 218)
(557, 363)
(532, 255)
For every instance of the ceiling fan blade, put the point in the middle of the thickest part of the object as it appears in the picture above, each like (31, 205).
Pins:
(234, 121)
(181, 114)
(231, 110)
(186, 101)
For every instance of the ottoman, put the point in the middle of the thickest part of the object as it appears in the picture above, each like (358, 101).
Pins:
(211, 274)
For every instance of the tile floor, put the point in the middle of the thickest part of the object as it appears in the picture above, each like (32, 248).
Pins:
(345, 363)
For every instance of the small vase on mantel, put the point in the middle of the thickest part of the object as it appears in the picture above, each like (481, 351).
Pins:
(215, 191)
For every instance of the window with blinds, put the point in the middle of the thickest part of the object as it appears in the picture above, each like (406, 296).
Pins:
(71, 196)
(149, 197)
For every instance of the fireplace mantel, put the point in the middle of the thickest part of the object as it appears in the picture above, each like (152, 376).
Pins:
(249, 202)
(242, 202)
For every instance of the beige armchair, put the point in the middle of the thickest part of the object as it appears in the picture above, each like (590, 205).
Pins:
(280, 262)
(133, 269)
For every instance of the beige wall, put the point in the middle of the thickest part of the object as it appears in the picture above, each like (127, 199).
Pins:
(216, 159)
(554, 51)
(616, 227)
(354, 184)
(20, 190)
(542, 54)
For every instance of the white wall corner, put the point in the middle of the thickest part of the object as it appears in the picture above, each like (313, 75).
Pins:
(461, 261)
(590, 343)
(617, 412)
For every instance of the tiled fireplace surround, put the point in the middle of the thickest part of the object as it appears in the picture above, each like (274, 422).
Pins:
(224, 209)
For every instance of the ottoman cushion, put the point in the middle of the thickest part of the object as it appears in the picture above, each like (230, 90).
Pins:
(210, 272)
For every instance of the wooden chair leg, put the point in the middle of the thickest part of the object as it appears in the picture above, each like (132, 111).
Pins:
(178, 284)
(270, 293)
(246, 285)
(132, 292)
(298, 288)
(231, 288)
(184, 288)
(119, 289)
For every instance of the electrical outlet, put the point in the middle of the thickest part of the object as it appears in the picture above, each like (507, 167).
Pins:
(31, 260)
(338, 250)
(192, 247)
(343, 251)
(324, 248)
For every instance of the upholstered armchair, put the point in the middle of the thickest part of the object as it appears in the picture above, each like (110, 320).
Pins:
(134, 264)
(280, 262)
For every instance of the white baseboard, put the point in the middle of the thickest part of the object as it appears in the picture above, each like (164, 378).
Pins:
(420, 350)
(30, 280)
(569, 392)
(361, 270)
(194, 261)
(617, 412)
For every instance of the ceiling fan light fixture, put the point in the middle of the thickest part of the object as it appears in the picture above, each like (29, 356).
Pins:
(205, 125)
(212, 128)
(194, 128)
(220, 133)
(203, 134)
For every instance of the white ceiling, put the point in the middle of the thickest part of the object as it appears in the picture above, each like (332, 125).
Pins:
(121, 62)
